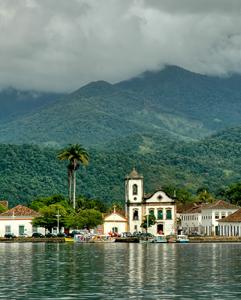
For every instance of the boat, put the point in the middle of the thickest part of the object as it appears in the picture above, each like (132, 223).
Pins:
(69, 239)
(171, 238)
(102, 239)
(159, 239)
(182, 239)
(82, 238)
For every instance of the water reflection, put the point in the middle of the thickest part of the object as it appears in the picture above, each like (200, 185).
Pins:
(120, 271)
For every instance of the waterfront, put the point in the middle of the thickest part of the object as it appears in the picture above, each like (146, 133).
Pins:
(120, 271)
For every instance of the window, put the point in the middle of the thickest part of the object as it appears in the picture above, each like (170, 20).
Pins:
(35, 229)
(135, 227)
(168, 214)
(21, 229)
(135, 215)
(160, 214)
(216, 215)
(7, 229)
(223, 215)
(134, 189)
(115, 229)
(151, 212)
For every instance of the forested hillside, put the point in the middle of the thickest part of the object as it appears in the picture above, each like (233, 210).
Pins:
(15, 103)
(29, 171)
(174, 101)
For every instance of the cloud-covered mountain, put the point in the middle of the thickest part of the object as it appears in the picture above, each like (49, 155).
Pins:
(173, 101)
(59, 45)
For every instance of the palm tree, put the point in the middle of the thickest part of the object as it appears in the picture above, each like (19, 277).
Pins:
(75, 154)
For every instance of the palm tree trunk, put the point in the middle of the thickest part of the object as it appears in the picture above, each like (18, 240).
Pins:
(70, 175)
(74, 188)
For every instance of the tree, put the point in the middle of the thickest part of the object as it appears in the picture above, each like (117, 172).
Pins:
(75, 154)
(233, 193)
(149, 220)
(204, 196)
(48, 216)
(83, 202)
(39, 203)
(3, 208)
(88, 218)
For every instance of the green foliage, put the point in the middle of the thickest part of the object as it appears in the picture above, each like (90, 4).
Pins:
(48, 218)
(2, 208)
(87, 218)
(28, 172)
(149, 221)
(233, 193)
(205, 197)
(86, 203)
(39, 203)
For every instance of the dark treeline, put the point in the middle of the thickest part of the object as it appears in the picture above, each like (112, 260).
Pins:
(28, 172)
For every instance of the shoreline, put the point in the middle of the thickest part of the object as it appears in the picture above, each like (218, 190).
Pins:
(196, 240)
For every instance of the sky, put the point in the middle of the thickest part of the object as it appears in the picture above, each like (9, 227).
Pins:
(60, 45)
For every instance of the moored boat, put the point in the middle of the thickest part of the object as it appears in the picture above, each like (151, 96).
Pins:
(69, 239)
(159, 239)
(102, 239)
(182, 239)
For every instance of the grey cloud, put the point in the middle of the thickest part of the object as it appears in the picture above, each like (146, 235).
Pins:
(59, 45)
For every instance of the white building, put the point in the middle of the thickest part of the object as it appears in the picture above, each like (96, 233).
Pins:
(114, 223)
(204, 218)
(191, 219)
(231, 225)
(137, 206)
(18, 221)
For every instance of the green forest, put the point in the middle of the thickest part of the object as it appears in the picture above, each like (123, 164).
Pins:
(212, 164)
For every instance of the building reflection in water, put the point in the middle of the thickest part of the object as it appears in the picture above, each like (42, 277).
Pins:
(151, 267)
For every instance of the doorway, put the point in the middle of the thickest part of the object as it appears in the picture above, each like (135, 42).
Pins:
(160, 229)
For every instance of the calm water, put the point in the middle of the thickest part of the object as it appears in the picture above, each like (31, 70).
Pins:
(120, 271)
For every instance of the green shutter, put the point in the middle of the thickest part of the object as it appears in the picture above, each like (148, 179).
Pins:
(160, 214)
(169, 214)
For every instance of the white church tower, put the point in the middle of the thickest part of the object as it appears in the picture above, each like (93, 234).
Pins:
(138, 205)
(134, 193)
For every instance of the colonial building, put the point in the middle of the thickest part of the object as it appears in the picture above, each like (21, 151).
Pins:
(138, 205)
(114, 223)
(203, 218)
(230, 225)
(18, 221)
(191, 219)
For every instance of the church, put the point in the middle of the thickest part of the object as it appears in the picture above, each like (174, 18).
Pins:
(138, 205)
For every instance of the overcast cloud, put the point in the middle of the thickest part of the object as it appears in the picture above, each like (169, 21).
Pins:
(59, 45)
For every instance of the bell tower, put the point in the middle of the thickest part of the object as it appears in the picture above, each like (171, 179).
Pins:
(134, 192)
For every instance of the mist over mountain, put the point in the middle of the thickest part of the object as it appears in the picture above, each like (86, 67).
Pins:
(15, 103)
(183, 104)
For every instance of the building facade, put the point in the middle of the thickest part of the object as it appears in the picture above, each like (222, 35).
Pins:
(191, 220)
(203, 218)
(138, 205)
(114, 223)
(18, 221)
(230, 225)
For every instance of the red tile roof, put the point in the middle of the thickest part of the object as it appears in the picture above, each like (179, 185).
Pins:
(20, 210)
(234, 217)
(221, 204)
(190, 208)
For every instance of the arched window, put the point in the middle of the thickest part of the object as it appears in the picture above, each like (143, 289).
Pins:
(134, 189)
(135, 215)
